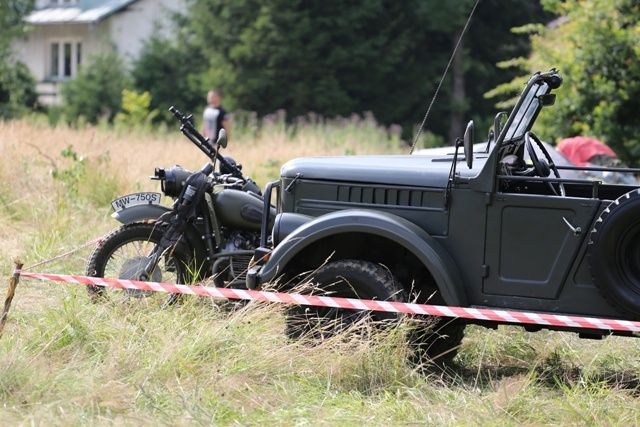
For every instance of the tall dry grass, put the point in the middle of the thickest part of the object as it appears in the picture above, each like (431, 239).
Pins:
(65, 361)
(110, 163)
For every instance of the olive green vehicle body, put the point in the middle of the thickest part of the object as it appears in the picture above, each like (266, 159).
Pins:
(462, 229)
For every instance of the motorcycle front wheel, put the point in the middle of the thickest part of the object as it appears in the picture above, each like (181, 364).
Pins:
(125, 252)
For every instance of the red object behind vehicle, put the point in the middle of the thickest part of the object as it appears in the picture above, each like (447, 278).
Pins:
(580, 149)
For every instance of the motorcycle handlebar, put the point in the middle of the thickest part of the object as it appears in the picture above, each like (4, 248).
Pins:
(203, 143)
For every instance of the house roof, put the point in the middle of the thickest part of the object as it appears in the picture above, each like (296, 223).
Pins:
(88, 12)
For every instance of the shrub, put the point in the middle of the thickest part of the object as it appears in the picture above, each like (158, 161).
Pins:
(17, 90)
(96, 92)
(135, 112)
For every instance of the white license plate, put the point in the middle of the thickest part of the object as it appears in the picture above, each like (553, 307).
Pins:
(136, 199)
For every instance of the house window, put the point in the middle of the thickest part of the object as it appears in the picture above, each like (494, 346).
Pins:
(55, 59)
(65, 59)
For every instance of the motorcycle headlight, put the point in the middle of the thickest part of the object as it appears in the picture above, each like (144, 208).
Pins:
(172, 180)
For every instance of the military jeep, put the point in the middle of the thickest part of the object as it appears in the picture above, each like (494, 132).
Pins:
(502, 227)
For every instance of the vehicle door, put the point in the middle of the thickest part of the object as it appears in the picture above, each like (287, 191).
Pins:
(532, 241)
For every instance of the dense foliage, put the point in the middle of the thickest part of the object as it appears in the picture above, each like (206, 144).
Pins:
(170, 69)
(598, 51)
(386, 57)
(17, 85)
(17, 90)
(96, 92)
(336, 58)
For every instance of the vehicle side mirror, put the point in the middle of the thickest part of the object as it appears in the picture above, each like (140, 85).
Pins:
(499, 122)
(222, 139)
(547, 100)
(468, 144)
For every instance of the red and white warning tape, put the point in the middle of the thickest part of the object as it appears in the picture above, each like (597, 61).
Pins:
(545, 319)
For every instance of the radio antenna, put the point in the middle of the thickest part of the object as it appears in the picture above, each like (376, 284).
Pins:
(455, 49)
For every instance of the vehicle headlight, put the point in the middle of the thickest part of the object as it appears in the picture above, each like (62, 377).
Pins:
(285, 224)
(172, 180)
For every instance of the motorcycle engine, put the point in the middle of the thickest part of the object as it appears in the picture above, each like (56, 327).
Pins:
(234, 266)
(239, 241)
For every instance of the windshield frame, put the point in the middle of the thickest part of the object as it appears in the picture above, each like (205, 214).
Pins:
(519, 122)
(525, 117)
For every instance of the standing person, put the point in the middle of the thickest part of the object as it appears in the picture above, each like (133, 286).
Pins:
(215, 117)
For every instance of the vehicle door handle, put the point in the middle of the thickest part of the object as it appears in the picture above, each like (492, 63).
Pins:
(576, 230)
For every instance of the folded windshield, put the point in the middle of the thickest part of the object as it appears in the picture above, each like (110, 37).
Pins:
(526, 114)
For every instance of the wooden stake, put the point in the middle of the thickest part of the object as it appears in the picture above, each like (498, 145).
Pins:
(13, 284)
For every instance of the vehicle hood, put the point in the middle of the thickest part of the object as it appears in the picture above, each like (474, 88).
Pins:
(409, 170)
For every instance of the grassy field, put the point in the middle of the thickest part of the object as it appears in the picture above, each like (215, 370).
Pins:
(65, 361)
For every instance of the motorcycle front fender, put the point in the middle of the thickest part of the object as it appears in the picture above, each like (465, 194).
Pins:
(140, 213)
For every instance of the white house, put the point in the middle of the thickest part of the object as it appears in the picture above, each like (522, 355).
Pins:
(66, 32)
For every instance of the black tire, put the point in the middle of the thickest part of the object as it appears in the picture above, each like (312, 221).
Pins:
(614, 253)
(124, 249)
(436, 340)
(347, 279)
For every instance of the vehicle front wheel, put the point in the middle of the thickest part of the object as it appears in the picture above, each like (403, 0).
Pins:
(125, 252)
(346, 279)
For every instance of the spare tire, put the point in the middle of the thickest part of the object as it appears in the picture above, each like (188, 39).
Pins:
(614, 253)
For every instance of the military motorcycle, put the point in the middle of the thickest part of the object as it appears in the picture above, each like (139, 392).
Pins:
(210, 233)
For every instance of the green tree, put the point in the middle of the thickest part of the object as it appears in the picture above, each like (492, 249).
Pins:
(96, 91)
(596, 46)
(17, 85)
(170, 70)
(12, 25)
(17, 90)
(329, 57)
(337, 58)
(490, 40)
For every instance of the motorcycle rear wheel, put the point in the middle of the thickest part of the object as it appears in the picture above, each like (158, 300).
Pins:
(124, 252)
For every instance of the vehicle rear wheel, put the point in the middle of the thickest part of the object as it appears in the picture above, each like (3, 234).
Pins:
(614, 253)
(124, 253)
(346, 279)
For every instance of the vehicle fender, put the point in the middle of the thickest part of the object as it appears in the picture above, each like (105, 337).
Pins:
(383, 224)
(139, 213)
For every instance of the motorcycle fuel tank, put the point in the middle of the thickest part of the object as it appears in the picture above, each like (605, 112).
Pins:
(238, 209)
